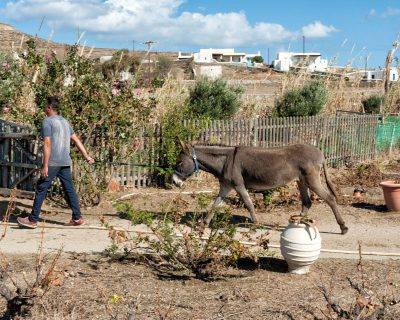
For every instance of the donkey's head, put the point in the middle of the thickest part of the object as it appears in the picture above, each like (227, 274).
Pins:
(186, 164)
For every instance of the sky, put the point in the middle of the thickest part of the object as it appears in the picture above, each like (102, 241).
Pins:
(344, 31)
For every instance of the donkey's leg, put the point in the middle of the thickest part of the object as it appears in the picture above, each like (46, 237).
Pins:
(314, 182)
(247, 202)
(305, 196)
(223, 192)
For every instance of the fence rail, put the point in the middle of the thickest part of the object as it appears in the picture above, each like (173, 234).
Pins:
(344, 138)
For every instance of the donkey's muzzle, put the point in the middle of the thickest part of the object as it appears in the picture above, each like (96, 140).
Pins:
(177, 180)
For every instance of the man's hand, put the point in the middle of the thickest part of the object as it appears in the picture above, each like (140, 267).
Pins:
(89, 160)
(82, 149)
(45, 171)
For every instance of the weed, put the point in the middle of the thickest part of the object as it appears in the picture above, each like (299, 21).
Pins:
(126, 211)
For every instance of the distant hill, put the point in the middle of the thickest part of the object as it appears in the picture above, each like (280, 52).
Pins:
(13, 39)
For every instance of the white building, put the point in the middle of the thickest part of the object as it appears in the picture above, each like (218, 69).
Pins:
(311, 61)
(379, 74)
(105, 59)
(219, 55)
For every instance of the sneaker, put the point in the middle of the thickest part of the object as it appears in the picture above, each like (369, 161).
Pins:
(26, 223)
(78, 222)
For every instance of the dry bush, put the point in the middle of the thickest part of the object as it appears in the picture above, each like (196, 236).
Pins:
(184, 251)
(21, 291)
(366, 304)
(172, 95)
(193, 254)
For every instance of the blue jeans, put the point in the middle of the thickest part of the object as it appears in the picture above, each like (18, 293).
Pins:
(43, 184)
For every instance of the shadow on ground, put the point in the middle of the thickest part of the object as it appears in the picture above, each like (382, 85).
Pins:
(370, 206)
(265, 263)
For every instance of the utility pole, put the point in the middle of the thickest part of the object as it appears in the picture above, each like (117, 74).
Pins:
(268, 55)
(366, 65)
(388, 65)
(304, 44)
(40, 26)
(133, 45)
(149, 44)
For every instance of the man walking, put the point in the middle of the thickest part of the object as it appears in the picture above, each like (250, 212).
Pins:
(57, 134)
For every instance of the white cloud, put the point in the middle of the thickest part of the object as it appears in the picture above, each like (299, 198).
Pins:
(371, 13)
(317, 30)
(157, 20)
(389, 12)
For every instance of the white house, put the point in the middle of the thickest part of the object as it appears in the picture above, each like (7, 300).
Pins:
(311, 61)
(218, 55)
(379, 74)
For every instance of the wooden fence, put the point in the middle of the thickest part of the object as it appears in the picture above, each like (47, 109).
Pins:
(343, 139)
(139, 171)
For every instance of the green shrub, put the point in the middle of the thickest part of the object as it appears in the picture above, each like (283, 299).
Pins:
(258, 59)
(373, 103)
(126, 211)
(214, 99)
(306, 101)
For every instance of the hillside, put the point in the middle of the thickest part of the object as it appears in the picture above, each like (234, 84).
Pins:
(13, 39)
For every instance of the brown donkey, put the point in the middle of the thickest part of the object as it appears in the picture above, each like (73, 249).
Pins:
(259, 169)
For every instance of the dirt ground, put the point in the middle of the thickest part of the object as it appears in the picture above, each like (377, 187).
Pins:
(94, 287)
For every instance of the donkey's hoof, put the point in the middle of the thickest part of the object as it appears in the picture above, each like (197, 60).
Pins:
(344, 230)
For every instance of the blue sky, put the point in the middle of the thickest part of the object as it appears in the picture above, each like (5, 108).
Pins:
(348, 30)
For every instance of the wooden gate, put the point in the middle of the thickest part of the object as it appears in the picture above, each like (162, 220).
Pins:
(18, 157)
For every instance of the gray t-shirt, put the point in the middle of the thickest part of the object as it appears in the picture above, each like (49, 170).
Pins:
(60, 131)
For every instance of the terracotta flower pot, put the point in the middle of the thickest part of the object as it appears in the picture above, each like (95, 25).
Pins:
(391, 193)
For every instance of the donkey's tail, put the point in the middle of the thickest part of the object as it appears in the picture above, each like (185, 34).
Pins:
(328, 181)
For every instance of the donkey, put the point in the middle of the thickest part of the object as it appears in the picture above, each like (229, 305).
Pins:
(258, 169)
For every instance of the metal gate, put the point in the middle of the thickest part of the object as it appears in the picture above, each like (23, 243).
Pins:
(18, 157)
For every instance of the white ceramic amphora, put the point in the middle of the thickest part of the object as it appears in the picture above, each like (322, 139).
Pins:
(300, 246)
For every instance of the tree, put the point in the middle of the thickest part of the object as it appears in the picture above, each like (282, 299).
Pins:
(214, 99)
(257, 59)
(306, 101)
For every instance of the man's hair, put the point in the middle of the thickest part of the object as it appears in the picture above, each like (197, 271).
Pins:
(54, 102)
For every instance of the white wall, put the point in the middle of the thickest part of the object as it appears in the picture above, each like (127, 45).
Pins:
(211, 71)
(372, 75)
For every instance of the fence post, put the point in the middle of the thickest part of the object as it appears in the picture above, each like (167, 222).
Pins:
(254, 129)
(5, 168)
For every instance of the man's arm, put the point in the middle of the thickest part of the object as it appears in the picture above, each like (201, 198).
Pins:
(81, 148)
(46, 156)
